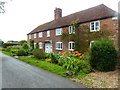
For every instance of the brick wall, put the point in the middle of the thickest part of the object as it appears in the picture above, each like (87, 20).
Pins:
(112, 25)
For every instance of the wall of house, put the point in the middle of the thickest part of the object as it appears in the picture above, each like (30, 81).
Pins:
(112, 26)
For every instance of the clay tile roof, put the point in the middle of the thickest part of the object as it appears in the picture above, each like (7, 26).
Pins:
(97, 12)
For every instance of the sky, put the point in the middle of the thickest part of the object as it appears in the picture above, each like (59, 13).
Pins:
(22, 16)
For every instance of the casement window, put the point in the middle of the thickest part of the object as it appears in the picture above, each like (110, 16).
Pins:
(71, 30)
(114, 18)
(40, 45)
(40, 34)
(71, 46)
(29, 36)
(59, 45)
(91, 42)
(58, 31)
(94, 26)
(48, 33)
(34, 35)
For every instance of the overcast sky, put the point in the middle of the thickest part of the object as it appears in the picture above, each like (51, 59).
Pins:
(22, 16)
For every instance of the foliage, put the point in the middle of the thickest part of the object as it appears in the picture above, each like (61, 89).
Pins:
(22, 42)
(48, 60)
(25, 46)
(54, 58)
(14, 51)
(5, 45)
(83, 36)
(77, 65)
(37, 46)
(39, 54)
(1, 43)
(32, 44)
(44, 65)
(103, 55)
(8, 48)
(21, 52)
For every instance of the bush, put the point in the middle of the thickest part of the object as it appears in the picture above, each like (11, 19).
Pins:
(39, 54)
(77, 65)
(14, 51)
(21, 52)
(103, 55)
(25, 46)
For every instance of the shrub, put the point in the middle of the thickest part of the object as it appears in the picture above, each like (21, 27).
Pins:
(103, 55)
(48, 60)
(39, 54)
(14, 51)
(37, 46)
(77, 65)
(25, 46)
(54, 58)
(21, 52)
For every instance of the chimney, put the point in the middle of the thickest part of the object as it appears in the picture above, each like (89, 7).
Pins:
(57, 13)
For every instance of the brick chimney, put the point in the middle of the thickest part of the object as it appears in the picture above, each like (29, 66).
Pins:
(57, 13)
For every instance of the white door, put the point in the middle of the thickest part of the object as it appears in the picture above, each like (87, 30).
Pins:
(48, 48)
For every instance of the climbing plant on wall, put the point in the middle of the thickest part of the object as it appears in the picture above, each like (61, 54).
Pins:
(83, 36)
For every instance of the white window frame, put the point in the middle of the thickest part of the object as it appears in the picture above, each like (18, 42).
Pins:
(40, 45)
(115, 18)
(40, 34)
(35, 35)
(61, 46)
(70, 48)
(48, 33)
(71, 30)
(29, 36)
(91, 42)
(58, 31)
(94, 23)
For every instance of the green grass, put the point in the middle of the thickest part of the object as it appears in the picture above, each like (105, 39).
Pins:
(44, 65)
(7, 53)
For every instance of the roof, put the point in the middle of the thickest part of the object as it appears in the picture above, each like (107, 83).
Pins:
(97, 12)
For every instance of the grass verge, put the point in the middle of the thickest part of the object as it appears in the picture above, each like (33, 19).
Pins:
(7, 53)
(44, 65)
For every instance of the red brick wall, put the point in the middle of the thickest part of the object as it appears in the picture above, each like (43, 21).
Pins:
(111, 26)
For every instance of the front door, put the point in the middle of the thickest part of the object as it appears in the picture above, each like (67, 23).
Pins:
(48, 48)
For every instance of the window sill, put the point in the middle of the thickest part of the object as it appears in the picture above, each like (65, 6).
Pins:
(58, 49)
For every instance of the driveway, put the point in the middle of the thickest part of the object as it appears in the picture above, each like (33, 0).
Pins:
(17, 74)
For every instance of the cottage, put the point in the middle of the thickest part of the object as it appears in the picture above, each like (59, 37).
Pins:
(48, 35)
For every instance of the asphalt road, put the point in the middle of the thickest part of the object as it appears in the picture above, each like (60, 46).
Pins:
(17, 74)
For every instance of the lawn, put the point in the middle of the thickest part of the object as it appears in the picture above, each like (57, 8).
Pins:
(44, 65)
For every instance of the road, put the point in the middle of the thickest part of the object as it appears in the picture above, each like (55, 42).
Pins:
(17, 74)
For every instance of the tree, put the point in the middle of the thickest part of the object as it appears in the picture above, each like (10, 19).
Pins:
(22, 42)
(1, 43)
(2, 9)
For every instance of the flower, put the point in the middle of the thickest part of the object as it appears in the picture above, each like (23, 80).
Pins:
(76, 52)
(81, 56)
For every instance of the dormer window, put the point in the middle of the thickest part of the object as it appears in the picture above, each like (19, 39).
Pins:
(71, 30)
(95, 26)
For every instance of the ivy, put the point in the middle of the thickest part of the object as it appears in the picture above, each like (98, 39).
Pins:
(83, 36)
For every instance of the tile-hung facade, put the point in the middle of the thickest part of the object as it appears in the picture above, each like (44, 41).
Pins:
(48, 35)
